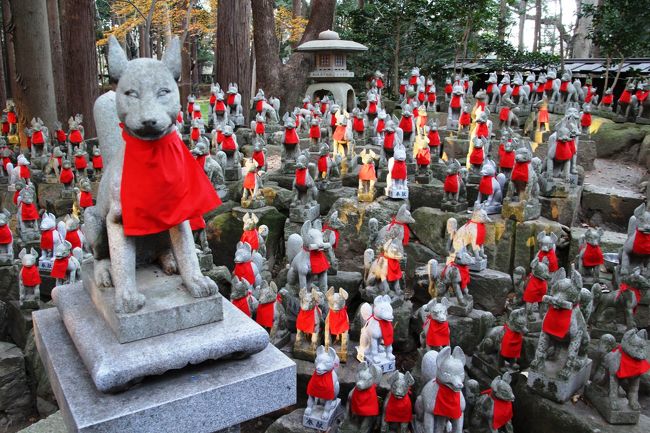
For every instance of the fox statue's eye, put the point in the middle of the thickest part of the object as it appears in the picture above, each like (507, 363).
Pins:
(131, 93)
(164, 92)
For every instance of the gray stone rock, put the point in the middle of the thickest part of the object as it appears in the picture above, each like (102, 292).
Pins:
(15, 396)
(20, 323)
(467, 332)
(614, 139)
(113, 365)
(425, 195)
(327, 198)
(291, 423)
(52, 424)
(8, 282)
(199, 398)
(490, 289)
(562, 209)
(610, 207)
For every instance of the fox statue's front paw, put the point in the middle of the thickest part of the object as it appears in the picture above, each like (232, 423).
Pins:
(130, 301)
(102, 270)
(201, 286)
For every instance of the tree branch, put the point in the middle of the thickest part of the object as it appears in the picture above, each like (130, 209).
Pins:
(134, 7)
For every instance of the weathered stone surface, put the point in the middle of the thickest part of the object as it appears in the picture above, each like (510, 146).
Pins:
(490, 288)
(168, 308)
(20, 323)
(612, 207)
(525, 246)
(15, 396)
(114, 366)
(549, 384)
(278, 197)
(8, 283)
(418, 256)
(467, 332)
(196, 399)
(52, 424)
(290, 423)
(429, 195)
(327, 198)
(586, 153)
(599, 398)
(614, 139)
(644, 152)
(562, 209)
(39, 383)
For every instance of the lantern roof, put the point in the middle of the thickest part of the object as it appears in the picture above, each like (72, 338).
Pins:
(330, 41)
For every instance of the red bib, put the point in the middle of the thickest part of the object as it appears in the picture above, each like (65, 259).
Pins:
(551, 257)
(367, 172)
(624, 288)
(506, 159)
(480, 232)
(258, 156)
(630, 367)
(5, 128)
(380, 126)
(265, 314)
(438, 332)
(28, 212)
(557, 321)
(398, 409)
(336, 234)
(60, 268)
(535, 290)
(242, 304)
(98, 162)
(592, 256)
(608, 99)
(434, 138)
(314, 131)
(504, 113)
(291, 136)
(249, 180)
(190, 107)
(372, 107)
(504, 89)
(24, 172)
(451, 183)
(228, 143)
(72, 236)
(357, 124)
(642, 96)
(641, 243)
(485, 186)
(490, 87)
(197, 223)
(515, 91)
(47, 239)
(476, 157)
(448, 88)
(30, 276)
(511, 343)
(213, 99)
(563, 150)
(80, 162)
(564, 86)
(406, 124)
(389, 139)
(364, 402)
(60, 136)
(464, 273)
(231, 99)
(251, 238)
(407, 233)
(160, 187)
(306, 320)
(482, 130)
(321, 386)
(585, 120)
(386, 330)
(219, 107)
(455, 101)
(11, 117)
(431, 97)
(37, 137)
(318, 262)
(322, 164)
(394, 270)
(75, 136)
(85, 199)
(196, 133)
(465, 119)
(301, 175)
(260, 128)
(244, 271)
(338, 321)
(502, 412)
(520, 172)
(447, 402)
(399, 170)
(625, 98)
(5, 235)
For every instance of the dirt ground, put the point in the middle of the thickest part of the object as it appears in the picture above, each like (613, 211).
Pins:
(620, 174)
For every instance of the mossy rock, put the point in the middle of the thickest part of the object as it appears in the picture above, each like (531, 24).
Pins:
(615, 138)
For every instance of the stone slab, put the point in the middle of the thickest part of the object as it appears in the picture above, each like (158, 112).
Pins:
(317, 422)
(168, 308)
(113, 365)
(548, 385)
(600, 399)
(197, 399)
(490, 289)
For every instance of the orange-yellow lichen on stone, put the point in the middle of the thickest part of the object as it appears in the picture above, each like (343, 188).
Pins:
(615, 205)
(530, 242)
(499, 229)
(555, 212)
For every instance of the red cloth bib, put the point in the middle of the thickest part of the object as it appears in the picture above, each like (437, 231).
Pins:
(464, 273)
(213, 99)
(196, 114)
(506, 159)
(642, 96)
(380, 126)
(321, 386)
(30, 276)
(15, 197)
(476, 157)
(386, 330)
(260, 128)
(5, 128)
(75, 136)
(219, 107)
(301, 176)
(380, 83)
(447, 402)
(37, 137)
(231, 99)
(28, 212)
(630, 367)
(291, 136)
(564, 86)
(451, 183)
(322, 164)
(504, 113)
(438, 332)
(398, 409)
(394, 270)
(557, 321)
(448, 88)
(244, 271)
(485, 186)
(197, 223)
(624, 288)
(228, 143)
(24, 172)
(306, 320)
(551, 257)
(338, 321)
(259, 106)
(434, 138)
(314, 131)
(592, 256)
(367, 172)
(265, 314)
(608, 99)
(431, 97)
(455, 101)
(480, 232)
(47, 239)
(389, 139)
(249, 180)
(590, 94)
(520, 172)
(98, 162)
(196, 133)
(407, 233)
(502, 412)
(625, 98)
(85, 199)
(5, 235)
(162, 186)
(242, 304)
(251, 238)
(511, 343)
(413, 80)
(399, 170)
(585, 120)
(318, 262)
(258, 156)
(336, 234)
(482, 130)
(60, 268)
(72, 236)
(563, 150)
(406, 124)
(535, 290)
(11, 117)
(80, 162)
(641, 243)
(504, 89)
(489, 88)
(364, 402)
(465, 119)
(357, 124)
(190, 107)
(515, 90)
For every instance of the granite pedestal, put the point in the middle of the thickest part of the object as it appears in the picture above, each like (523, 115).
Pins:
(196, 399)
(548, 383)
(113, 366)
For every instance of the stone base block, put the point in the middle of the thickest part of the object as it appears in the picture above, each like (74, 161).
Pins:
(196, 399)
(468, 331)
(232, 173)
(384, 363)
(113, 366)
(366, 197)
(600, 399)
(316, 421)
(521, 211)
(326, 184)
(453, 207)
(490, 289)
(168, 306)
(397, 194)
(549, 385)
(478, 265)
(457, 309)
(302, 213)
(304, 350)
(423, 179)
(563, 210)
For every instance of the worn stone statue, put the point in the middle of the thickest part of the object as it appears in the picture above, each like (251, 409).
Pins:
(362, 409)
(376, 340)
(306, 254)
(397, 408)
(322, 389)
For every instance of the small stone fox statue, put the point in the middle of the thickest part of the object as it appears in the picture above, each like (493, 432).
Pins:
(363, 403)
(492, 411)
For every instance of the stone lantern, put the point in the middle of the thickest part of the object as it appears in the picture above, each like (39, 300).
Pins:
(330, 68)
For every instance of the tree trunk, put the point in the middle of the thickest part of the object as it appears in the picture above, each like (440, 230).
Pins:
(196, 67)
(537, 39)
(267, 51)
(560, 28)
(233, 48)
(78, 38)
(618, 72)
(185, 85)
(297, 8)
(35, 86)
(607, 65)
(57, 59)
(3, 80)
(8, 31)
(582, 45)
(142, 44)
(502, 23)
(361, 4)
(522, 22)
(396, 58)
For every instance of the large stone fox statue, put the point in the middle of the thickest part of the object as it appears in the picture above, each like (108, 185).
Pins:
(145, 198)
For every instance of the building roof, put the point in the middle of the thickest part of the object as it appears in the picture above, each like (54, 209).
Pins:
(579, 66)
(330, 41)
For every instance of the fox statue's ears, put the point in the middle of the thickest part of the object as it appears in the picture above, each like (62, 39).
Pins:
(117, 59)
